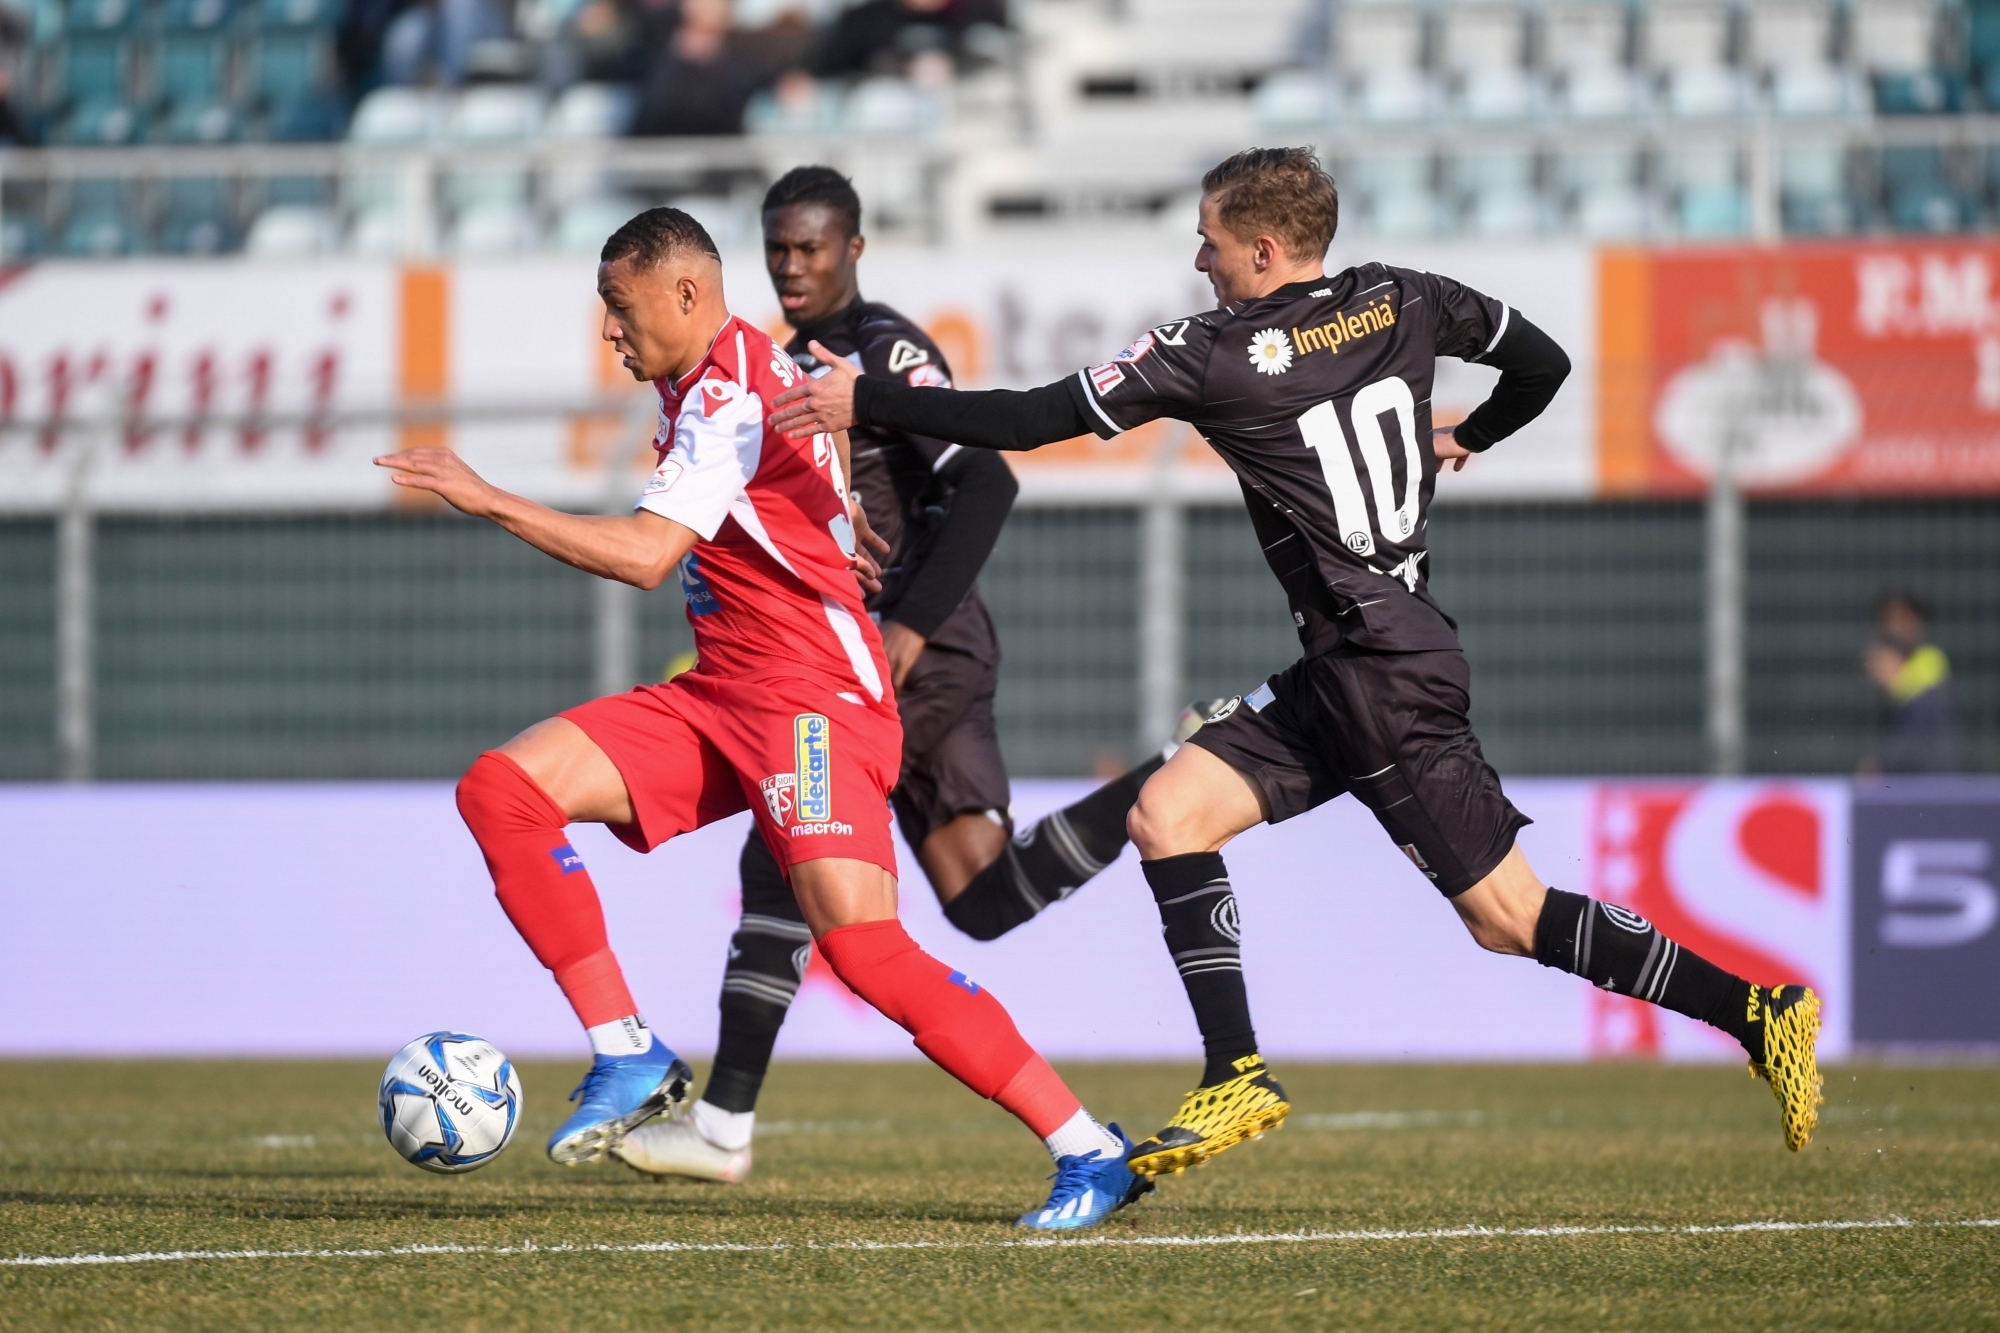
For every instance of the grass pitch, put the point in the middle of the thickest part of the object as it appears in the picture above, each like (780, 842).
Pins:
(882, 1198)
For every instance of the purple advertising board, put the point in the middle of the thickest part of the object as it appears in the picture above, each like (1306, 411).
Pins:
(344, 919)
(1926, 937)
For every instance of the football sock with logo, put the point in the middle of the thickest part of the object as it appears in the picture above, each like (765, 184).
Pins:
(953, 1020)
(1198, 917)
(1051, 859)
(1622, 952)
(767, 961)
(546, 892)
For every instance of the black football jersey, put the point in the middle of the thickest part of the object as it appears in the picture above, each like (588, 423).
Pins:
(1318, 396)
(901, 476)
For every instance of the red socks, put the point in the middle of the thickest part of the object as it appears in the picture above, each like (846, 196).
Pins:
(543, 886)
(952, 1019)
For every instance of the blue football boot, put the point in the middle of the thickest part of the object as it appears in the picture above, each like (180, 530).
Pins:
(1088, 1189)
(619, 1094)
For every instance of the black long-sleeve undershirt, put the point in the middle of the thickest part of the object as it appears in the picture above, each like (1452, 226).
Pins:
(983, 491)
(1532, 367)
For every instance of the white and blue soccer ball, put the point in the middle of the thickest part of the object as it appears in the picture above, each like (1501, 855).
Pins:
(450, 1102)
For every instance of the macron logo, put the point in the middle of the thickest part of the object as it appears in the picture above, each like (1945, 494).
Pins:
(567, 858)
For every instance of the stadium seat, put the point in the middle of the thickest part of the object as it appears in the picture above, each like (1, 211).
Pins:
(292, 231)
(494, 229)
(1481, 35)
(1395, 193)
(196, 218)
(194, 122)
(287, 64)
(1696, 92)
(313, 118)
(1815, 89)
(495, 113)
(1578, 34)
(1782, 33)
(1501, 93)
(1393, 96)
(1499, 187)
(1928, 92)
(21, 237)
(1296, 99)
(197, 15)
(100, 16)
(1374, 35)
(581, 228)
(396, 116)
(1812, 189)
(100, 123)
(299, 13)
(1685, 34)
(191, 68)
(1893, 36)
(889, 106)
(99, 234)
(379, 233)
(1602, 92)
(1921, 193)
(1612, 213)
(95, 68)
(592, 111)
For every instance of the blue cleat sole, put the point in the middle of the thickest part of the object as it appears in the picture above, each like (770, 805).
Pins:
(590, 1143)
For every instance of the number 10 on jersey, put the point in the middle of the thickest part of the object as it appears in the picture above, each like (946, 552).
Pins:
(1321, 428)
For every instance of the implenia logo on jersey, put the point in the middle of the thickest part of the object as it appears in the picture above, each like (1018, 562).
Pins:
(812, 738)
(905, 355)
(1271, 351)
(1341, 330)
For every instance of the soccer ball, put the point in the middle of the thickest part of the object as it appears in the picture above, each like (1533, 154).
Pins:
(449, 1102)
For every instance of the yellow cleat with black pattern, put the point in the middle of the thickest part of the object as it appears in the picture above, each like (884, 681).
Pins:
(1789, 1017)
(1213, 1118)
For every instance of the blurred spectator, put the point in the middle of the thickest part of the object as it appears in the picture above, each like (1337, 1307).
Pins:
(699, 80)
(431, 42)
(1920, 732)
(878, 36)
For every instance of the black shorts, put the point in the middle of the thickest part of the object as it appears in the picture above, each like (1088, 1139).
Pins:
(951, 747)
(1393, 729)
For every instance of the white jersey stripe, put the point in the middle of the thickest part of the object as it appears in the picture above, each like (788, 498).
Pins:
(1090, 396)
(1506, 313)
(848, 630)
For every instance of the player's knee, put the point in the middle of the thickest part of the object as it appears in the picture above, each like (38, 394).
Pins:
(1500, 932)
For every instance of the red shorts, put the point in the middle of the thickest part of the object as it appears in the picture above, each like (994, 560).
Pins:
(814, 767)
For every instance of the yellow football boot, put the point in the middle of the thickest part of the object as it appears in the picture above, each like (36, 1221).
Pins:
(1790, 1018)
(1219, 1116)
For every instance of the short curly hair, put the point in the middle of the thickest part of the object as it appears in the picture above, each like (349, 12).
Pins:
(1281, 192)
(817, 185)
(655, 236)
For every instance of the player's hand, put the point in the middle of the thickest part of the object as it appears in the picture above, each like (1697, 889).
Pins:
(1447, 448)
(903, 645)
(822, 404)
(869, 549)
(442, 471)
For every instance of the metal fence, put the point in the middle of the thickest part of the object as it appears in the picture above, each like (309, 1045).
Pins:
(389, 645)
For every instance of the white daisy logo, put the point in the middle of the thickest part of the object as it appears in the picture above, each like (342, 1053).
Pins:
(1271, 351)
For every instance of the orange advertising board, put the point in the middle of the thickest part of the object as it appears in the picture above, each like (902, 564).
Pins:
(1864, 368)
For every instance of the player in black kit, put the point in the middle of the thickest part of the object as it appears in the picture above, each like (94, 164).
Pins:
(935, 508)
(1316, 390)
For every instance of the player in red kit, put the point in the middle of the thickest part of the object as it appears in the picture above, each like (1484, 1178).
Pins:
(788, 713)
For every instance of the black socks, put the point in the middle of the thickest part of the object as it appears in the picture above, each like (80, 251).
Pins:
(1198, 917)
(1049, 860)
(767, 961)
(1622, 952)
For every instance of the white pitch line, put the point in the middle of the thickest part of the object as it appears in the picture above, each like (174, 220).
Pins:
(1080, 1242)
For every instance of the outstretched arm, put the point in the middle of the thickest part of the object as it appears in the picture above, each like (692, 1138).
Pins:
(641, 549)
(988, 419)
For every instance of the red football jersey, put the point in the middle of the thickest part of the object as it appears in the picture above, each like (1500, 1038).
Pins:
(769, 585)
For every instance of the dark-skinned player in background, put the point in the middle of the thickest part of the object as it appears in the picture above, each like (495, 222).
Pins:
(936, 509)
(1316, 390)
